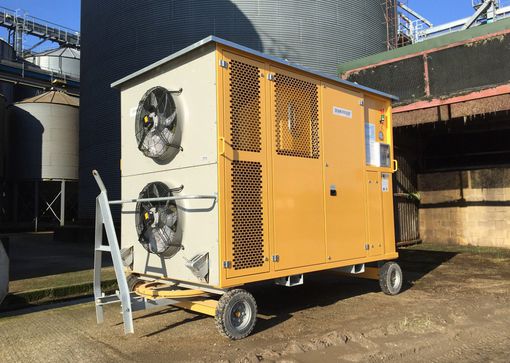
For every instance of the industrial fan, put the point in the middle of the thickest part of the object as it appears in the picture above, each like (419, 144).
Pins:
(157, 221)
(157, 129)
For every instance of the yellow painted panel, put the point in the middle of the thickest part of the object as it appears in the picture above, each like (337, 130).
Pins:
(297, 139)
(298, 200)
(388, 217)
(375, 213)
(243, 149)
(344, 158)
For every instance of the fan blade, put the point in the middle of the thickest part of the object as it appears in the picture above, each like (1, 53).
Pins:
(154, 101)
(155, 190)
(170, 119)
(162, 103)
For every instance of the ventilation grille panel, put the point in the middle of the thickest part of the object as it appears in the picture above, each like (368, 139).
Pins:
(245, 107)
(297, 117)
(247, 215)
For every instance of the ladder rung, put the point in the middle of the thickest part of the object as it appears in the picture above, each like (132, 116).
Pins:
(104, 249)
(106, 300)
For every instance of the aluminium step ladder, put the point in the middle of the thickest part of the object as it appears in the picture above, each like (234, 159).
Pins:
(129, 301)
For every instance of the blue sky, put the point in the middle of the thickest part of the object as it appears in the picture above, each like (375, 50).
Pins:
(67, 12)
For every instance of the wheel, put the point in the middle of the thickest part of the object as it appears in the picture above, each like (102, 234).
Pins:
(390, 278)
(236, 314)
(133, 281)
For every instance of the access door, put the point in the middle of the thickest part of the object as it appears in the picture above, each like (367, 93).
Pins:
(344, 161)
(243, 147)
(374, 185)
(298, 209)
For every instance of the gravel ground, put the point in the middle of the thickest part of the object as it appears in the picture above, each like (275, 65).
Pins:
(455, 307)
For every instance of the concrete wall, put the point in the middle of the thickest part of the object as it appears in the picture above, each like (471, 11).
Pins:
(466, 207)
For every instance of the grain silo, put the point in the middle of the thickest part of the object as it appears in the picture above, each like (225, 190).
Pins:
(64, 61)
(120, 37)
(7, 54)
(3, 138)
(43, 156)
(3, 161)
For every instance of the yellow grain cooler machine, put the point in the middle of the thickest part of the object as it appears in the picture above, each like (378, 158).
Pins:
(238, 167)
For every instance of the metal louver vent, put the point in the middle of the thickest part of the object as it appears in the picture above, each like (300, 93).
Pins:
(297, 117)
(247, 218)
(157, 128)
(157, 221)
(245, 106)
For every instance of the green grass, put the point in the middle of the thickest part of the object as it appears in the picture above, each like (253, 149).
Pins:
(42, 290)
(57, 281)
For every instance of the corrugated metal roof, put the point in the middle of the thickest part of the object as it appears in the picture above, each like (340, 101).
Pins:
(54, 97)
(59, 52)
(214, 39)
(437, 42)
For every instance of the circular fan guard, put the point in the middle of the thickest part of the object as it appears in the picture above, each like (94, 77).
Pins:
(157, 221)
(157, 132)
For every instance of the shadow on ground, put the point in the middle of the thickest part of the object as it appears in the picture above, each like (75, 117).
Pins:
(37, 255)
(278, 304)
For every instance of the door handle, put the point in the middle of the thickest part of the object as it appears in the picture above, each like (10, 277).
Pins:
(395, 165)
(222, 141)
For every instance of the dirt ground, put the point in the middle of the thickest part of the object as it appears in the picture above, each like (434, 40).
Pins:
(455, 307)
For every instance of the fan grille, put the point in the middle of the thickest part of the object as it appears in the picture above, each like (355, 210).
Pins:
(157, 221)
(297, 117)
(156, 124)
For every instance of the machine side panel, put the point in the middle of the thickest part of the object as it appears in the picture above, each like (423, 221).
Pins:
(297, 170)
(375, 213)
(196, 112)
(243, 145)
(379, 169)
(194, 167)
(389, 217)
(344, 158)
(198, 220)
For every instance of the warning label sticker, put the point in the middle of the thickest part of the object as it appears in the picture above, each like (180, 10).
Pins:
(342, 112)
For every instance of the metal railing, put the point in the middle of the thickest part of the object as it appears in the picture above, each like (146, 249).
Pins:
(43, 29)
(416, 30)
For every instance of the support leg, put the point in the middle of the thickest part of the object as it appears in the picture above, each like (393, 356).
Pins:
(98, 241)
(36, 205)
(62, 203)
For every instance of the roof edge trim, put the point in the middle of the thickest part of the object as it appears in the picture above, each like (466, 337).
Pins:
(214, 39)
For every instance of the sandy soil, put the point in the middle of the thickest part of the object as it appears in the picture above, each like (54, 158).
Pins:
(455, 307)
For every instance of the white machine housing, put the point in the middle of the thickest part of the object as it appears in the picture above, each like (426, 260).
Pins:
(195, 167)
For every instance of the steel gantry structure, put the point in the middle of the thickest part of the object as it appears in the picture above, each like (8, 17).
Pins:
(20, 24)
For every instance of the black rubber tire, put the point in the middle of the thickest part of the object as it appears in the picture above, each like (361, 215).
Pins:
(231, 300)
(390, 278)
(132, 281)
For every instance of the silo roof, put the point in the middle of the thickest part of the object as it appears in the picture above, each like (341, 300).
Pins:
(54, 97)
(214, 39)
(59, 52)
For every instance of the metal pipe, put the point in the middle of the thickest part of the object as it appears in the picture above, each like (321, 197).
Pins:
(162, 199)
(62, 203)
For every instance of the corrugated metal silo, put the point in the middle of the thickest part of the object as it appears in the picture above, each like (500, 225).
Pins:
(120, 37)
(44, 137)
(7, 53)
(64, 61)
(43, 159)
(3, 140)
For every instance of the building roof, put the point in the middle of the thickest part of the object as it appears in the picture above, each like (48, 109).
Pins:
(63, 52)
(437, 42)
(214, 39)
(54, 97)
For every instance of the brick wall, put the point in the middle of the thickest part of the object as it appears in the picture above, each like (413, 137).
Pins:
(466, 207)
